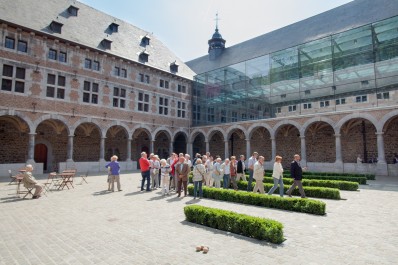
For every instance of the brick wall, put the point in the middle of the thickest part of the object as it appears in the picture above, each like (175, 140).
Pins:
(320, 143)
(391, 139)
(287, 143)
(261, 143)
(86, 143)
(216, 144)
(13, 143)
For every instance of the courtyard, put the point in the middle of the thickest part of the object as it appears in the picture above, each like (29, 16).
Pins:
(89, 225)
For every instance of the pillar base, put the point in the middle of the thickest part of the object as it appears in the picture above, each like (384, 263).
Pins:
(382, 169)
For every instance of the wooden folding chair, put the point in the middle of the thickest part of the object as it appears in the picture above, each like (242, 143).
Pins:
(12, 178)
(26, 192)
(50, 182)
(84, 178)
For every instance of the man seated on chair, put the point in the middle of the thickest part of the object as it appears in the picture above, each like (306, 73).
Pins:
(30, 182)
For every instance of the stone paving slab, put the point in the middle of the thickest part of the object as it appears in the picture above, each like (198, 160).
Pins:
(89, 225)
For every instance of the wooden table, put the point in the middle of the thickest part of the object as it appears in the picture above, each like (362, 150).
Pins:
(67, 178)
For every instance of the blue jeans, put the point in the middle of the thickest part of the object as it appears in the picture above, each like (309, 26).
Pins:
(281, 188)
(146, 176)
(249, 184)
(225, 181)
(197, 185)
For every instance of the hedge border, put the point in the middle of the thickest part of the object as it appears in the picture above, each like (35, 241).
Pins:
(335, 184)
(241, 224)
(290, 204)
(310, 173)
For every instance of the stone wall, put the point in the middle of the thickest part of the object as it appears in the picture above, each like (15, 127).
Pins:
(238, 146)
(199, 145)
(261, 143)
(141, 142)
(391, 140)
(116, 143)
(86, 147)
(287, 143)
(216, 143)
(320, 144)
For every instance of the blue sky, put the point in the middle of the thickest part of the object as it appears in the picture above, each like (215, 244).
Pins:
(185, 26)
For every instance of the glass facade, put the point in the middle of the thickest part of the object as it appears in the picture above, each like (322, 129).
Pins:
(301, 79)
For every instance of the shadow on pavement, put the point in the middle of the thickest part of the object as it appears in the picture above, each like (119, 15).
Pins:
(10, 199)
(134, 193)
(229, 234)
(102, 192)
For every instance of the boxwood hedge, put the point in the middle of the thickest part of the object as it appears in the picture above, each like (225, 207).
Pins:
(316, 192)
(250, 198)
(310, 173)
(336, 184)
(360, 180)
(242, 224)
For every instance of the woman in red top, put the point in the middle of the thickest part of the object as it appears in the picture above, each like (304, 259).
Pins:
(144, 166)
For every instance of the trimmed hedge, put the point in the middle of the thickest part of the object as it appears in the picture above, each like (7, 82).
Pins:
(335, 184)
(316, 192)
(250, 198)
(360, 180)
(309, 173)
(241, 224)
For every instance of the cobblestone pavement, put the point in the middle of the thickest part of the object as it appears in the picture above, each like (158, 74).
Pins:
(89, 225)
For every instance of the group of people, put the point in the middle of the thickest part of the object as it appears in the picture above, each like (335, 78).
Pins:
(173, 173)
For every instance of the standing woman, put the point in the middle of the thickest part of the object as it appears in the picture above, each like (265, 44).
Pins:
(233, 172)
(198, 176)
(277, 175)
(217, 173)
(115, 173)
(164, 173)
(209, 171)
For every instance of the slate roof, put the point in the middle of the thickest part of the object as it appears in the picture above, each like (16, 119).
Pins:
(351, 15)
(89, 28)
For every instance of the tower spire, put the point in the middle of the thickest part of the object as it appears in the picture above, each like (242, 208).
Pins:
(217, 21)
(216, 43)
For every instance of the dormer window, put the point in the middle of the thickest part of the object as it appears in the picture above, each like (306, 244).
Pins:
(114, 27)
(145, 40)
(56, 27)
(72, 10)
(144, 56)
(174, 67)
(106, 44)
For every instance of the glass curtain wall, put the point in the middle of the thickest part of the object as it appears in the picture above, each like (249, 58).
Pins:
(353, 69)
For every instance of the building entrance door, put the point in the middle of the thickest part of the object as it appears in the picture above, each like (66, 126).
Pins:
(41, 155)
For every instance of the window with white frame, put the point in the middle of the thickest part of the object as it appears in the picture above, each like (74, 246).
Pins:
(234, 116)
(119, 97)
(96, 65)
(22, 46)
(144, 78)
(57, 56)
(292, 108)
(13, 79)
(164, 83)
(278, 110)
(182, 89)
(340, 101)
(55, 86)
(10, 43)
(163, 106)
(90, 92)
(324, 104)
(181, 109)
(363, 98)
(307, 106)
(143, 102)
(384, 95)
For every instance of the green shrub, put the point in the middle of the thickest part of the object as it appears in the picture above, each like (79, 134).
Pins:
(250, 198)
(316, 192)
(242, 224)
(360, 180)
(335, 184)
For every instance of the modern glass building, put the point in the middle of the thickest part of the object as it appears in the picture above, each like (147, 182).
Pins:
(356, 68)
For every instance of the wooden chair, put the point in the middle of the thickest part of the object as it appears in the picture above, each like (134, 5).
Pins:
(12, 178)
(51, 181)
(27, 191)
(84, 178)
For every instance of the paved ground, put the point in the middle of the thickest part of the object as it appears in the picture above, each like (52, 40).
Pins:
(88, 225)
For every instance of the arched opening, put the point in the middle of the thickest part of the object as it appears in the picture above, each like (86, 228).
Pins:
(180, 143)
(288, 143)
(237, 143)
(87, 143)
(261, 143)
(14, 138)
(320, 143)
(116, 143)
(162, 144)
(41, 155)
(391, 139)
(358, 137)
(216, 144)
(54, 135)
(199, 144)
(141, 143)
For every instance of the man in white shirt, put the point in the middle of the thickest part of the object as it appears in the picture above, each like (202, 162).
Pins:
(217, 173)
(252, 161)
(227, 173)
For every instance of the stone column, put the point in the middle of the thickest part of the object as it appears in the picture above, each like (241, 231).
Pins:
(273, 147)
(190, 149)
(247, 148)
(102, 149)
(339, 157)
(207, 147)
(226, 151)
(31, 149)
(381, 159)
(303, 150)
(171, 147)
(69, 151)
(151, 147)
(128, 157)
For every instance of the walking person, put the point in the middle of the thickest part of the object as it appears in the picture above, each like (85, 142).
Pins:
(182, 171)
(114, 173)
(233, 172)
(198, 177)
(226, 167)
(217, 173)
(209, 165)
(277, 175)
(240, 169)
(250, 165)
(258, 175)
(296, 173)
(165, 170)
(144, 166)
(155, 166)
(29, 181)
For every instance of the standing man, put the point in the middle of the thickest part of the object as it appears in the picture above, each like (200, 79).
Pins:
(144, 166)
(182, 171)
(296, 173)
(258, 175)
(240, 169)
(115, 173)
(30, 182)
(252, 161)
